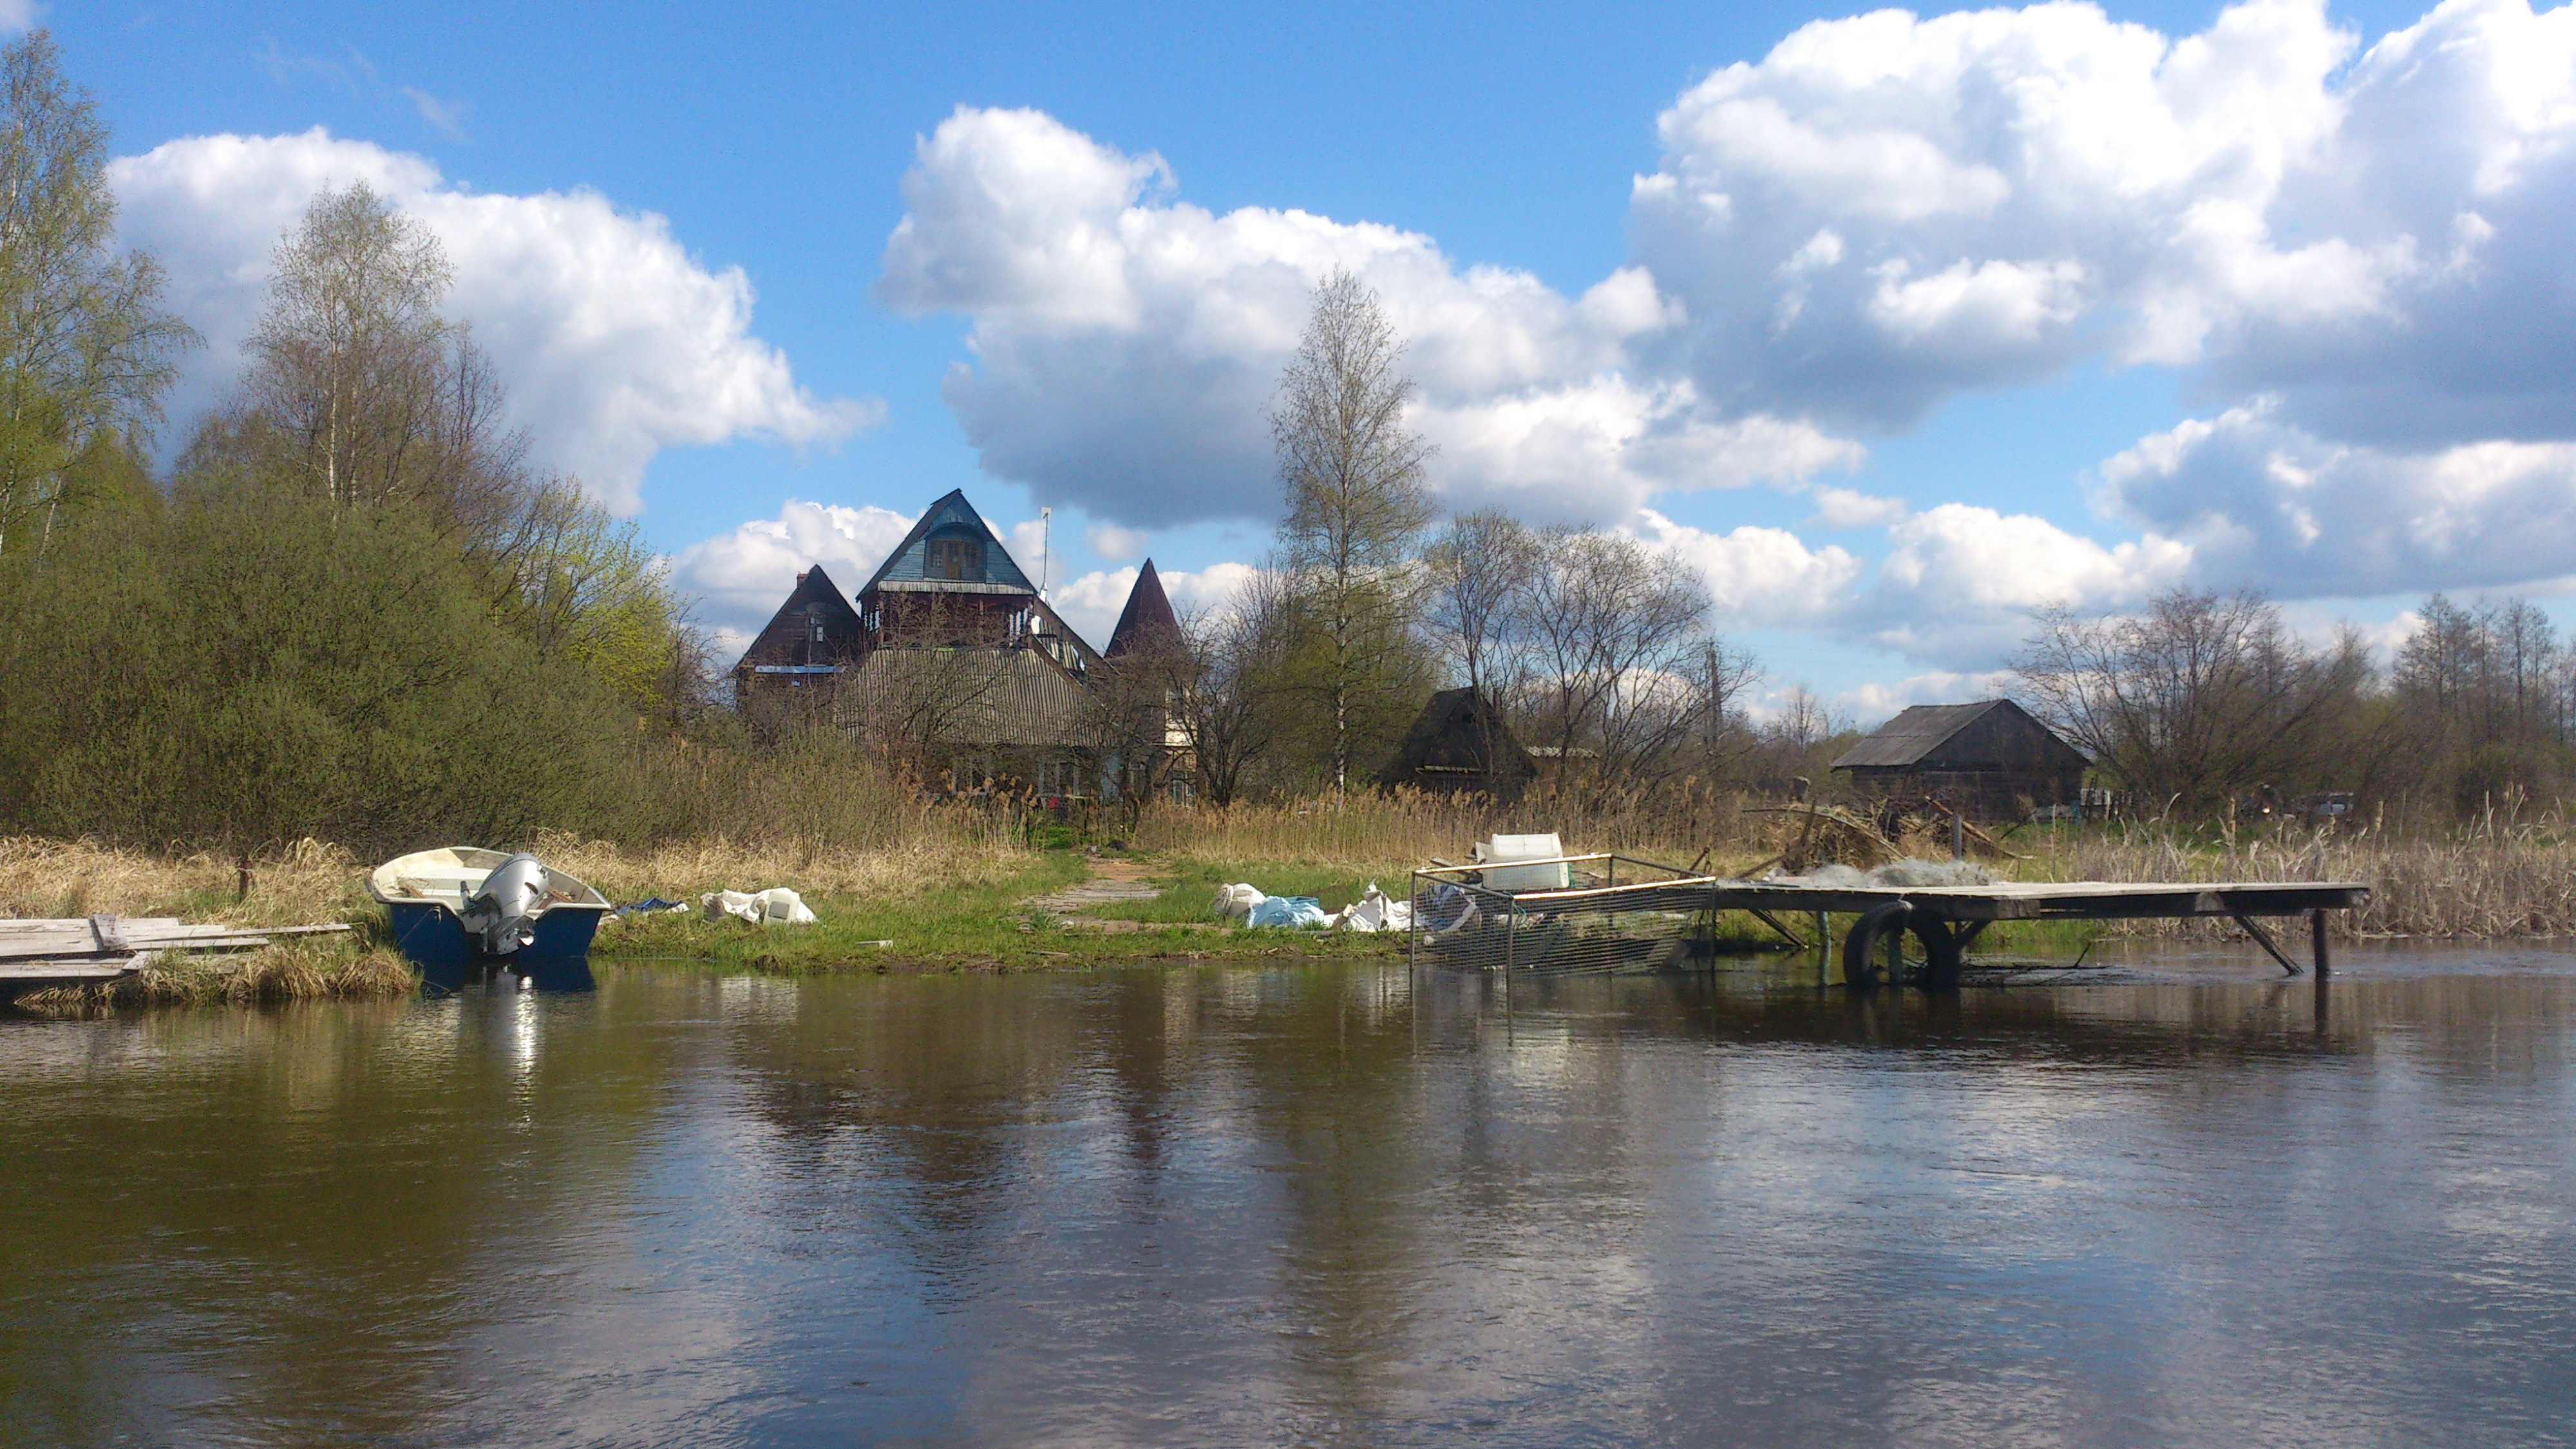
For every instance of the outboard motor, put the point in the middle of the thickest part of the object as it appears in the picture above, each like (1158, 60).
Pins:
(504, 913)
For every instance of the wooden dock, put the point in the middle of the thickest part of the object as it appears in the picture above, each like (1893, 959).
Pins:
(1597, 921)
(77, 950)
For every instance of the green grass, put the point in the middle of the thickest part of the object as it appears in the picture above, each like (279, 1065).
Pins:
(989, 927)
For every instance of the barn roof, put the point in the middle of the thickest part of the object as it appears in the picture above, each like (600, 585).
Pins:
(1916, 731)
(1448, 738)
(1148, 615)
(910, 562)
(1009, 698)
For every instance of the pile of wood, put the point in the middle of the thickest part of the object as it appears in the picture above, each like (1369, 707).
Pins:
(102, 948)
(1820, 834)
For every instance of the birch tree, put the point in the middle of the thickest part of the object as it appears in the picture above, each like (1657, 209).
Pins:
(1352, 476)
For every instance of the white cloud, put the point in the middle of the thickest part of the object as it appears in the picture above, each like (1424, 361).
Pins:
(1127, 343)
(1872, 703)
(2267, 502)
(742, 577)
(1757, 576)
(1117, 544)
(1887, 210)
(1845, 508)
(1959, 581)
(1092, 603)
(613, 341)
(19, 15)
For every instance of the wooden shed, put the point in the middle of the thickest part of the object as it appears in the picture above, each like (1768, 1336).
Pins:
(1460, 743)
(1989, 759)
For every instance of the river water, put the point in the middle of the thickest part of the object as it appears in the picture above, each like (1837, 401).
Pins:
(2185, 1202)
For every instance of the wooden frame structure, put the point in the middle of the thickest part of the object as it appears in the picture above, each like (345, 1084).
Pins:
(1449, 903)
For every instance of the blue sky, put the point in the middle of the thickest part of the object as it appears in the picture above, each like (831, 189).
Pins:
(1910, 324)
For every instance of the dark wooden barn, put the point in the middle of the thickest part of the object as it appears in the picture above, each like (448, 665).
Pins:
(1990, 760)
(812, 638)
(1458, 744)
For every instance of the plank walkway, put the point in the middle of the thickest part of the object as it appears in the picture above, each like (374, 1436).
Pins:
(40, 953)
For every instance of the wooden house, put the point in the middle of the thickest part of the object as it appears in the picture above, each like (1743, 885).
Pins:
(1990, 759)
(1459, 744)
(951, 656)
(805, 646)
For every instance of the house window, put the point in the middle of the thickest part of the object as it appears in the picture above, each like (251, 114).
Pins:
(956, 558)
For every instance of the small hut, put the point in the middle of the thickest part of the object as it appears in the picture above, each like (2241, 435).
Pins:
(1460, 743)
(1990, 759)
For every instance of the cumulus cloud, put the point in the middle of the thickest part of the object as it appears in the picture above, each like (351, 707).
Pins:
(1091, 603)
(1757, 576)
(1888, 209)
(1126, 343)
(1959, 581)
(2265, 501)
(614, 342)
(740, 578)
(1872, 703)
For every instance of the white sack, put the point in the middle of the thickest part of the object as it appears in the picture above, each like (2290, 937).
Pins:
(1235, 902)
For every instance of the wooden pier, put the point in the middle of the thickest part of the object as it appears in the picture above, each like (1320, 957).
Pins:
(1600, 921)
(78, 950)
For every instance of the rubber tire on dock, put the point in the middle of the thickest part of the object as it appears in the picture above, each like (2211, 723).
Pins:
(1860, 944)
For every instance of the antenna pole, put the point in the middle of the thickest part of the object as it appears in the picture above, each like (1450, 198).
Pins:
(1046, 549)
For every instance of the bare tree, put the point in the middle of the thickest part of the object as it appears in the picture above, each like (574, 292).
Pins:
(1229, 700)
(1614, 635)
(1356, 499)
(2200, 699)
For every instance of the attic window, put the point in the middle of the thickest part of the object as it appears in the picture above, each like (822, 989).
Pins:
(956, 558)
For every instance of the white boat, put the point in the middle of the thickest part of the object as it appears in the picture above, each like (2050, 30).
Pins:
(457, 906)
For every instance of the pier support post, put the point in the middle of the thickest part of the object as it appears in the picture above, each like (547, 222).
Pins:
(2317, 944)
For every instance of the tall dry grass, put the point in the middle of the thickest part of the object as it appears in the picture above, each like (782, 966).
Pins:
(301, 970)
(2472, 883)
(308, 883)
(1404, 829)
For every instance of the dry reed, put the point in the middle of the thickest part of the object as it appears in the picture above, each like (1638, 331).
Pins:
(304, 970)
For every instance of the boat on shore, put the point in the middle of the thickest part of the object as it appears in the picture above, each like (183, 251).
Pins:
(461, 910)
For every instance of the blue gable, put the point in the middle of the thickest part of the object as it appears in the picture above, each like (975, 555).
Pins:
(951, 542)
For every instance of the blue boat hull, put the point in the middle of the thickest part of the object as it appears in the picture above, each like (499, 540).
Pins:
(430, 936)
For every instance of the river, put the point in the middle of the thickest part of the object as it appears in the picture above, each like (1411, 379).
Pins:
(2181, 1202)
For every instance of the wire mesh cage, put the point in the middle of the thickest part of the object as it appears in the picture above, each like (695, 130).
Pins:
(1596, 913)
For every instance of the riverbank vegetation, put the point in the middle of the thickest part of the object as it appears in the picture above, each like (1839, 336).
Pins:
(354, 608)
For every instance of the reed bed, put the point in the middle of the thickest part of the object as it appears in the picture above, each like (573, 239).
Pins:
(1402, 830)
(308, 883)
(2487, 884)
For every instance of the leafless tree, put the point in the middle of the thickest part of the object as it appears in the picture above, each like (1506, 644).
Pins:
(936, 694)
(1229, 701)
(1356, 499)
(1614, 634)
(2200, 699)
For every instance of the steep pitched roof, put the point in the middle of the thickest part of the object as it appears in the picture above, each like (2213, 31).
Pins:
(1449, 738)
(910, 561)
(783, 639)
(1919, 730)
(1148, 615)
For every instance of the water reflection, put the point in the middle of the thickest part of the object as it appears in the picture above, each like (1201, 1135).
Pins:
(2191, 1205)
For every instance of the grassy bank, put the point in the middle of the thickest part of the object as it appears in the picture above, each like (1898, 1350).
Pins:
(964, 899)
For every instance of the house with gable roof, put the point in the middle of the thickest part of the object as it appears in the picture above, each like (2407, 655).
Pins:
(952, 656)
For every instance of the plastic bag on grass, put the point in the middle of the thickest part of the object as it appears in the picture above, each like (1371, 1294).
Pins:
(1290, 912)
(777, 906)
